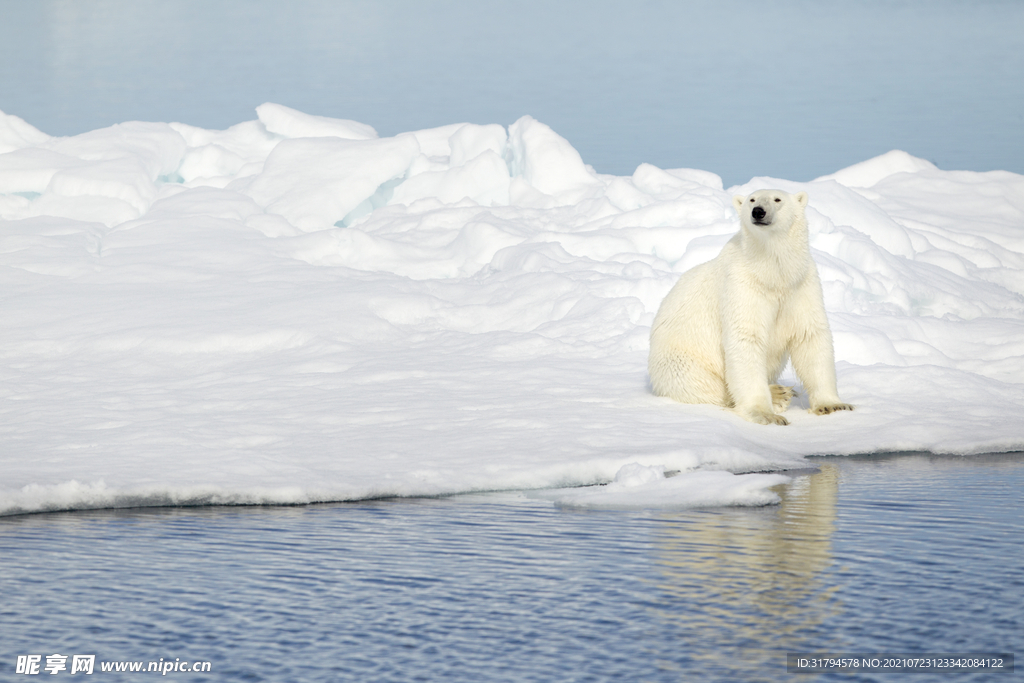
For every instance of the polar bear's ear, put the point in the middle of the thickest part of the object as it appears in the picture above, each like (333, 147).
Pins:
(737, 202)
(801, 198)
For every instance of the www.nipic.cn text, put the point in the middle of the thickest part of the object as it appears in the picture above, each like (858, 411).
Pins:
(86, 664)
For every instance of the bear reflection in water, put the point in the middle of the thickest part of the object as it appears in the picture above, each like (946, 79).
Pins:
(752, 578)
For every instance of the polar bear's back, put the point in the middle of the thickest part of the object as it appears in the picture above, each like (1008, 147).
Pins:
(686, 339)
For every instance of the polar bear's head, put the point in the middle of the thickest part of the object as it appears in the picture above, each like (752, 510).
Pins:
(770, 208)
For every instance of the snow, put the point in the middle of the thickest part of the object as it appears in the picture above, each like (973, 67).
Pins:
(295, 310)
(635, 485)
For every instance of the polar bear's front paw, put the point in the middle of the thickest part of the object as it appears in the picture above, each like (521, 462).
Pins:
(781, 396)
(765, 418)
(830, 408)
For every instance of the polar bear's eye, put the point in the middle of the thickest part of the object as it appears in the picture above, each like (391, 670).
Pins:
(751, 200)
(777, 199)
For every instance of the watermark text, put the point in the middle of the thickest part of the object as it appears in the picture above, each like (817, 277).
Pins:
(32, 665)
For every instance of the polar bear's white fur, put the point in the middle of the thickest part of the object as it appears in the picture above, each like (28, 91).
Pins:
(725, 331)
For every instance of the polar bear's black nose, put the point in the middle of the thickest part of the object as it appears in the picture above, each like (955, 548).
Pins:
(757, 213)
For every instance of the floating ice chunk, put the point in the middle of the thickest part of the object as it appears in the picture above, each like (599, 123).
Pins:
(869, 173)
(317, 182)
(639, 486)
(547, 162)
(15, 133)
(291, 123)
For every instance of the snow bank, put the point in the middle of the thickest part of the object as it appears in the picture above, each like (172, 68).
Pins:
(294, 310)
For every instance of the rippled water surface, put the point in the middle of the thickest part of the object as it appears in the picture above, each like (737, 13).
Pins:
(883, 554)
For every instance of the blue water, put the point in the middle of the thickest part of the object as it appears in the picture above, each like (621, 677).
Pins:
(789, 88)
(910, 553)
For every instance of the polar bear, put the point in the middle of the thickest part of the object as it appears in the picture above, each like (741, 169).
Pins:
(725, 331)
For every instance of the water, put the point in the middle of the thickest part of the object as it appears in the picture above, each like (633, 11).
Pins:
(909, 553)
(791, 89)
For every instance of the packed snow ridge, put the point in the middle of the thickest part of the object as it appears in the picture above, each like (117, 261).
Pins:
(295, 309)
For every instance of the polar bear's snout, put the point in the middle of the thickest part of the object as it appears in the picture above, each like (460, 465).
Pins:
(762, 216)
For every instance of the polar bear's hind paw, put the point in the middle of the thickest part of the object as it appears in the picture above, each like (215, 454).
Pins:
(831, 408)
